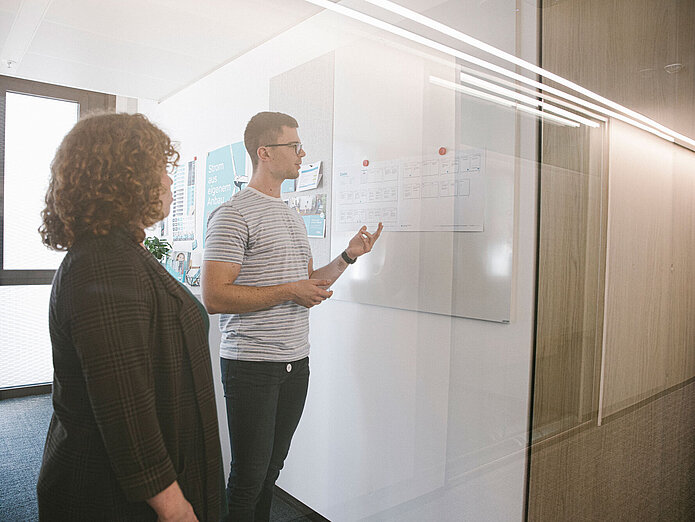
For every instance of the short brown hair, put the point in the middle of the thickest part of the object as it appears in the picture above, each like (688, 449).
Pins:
(107, 173)
(263, 129)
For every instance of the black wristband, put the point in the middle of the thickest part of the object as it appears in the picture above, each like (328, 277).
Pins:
(347, 258)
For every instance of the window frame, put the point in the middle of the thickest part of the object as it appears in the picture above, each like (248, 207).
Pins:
(88, 101)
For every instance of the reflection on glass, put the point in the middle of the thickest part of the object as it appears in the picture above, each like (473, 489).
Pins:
(568, 346)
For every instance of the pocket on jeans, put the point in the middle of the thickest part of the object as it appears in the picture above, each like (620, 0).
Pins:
(224, 369)
(303, 366)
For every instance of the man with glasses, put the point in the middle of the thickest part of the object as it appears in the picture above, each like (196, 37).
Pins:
(258, 274)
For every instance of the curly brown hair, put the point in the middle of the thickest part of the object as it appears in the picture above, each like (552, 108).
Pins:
(106, 174)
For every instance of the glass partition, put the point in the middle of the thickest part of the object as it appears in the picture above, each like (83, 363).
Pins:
(419, 396)
(614, 367)
(454, 361)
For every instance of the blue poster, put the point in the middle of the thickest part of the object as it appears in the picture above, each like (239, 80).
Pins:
(219, 181)
(315, 225)
(225, 175)
(239, 155)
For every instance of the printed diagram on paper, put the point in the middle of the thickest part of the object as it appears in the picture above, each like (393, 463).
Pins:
(442, 193)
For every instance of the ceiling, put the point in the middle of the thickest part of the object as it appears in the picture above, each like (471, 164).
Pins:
(152, 49)
(137, 48)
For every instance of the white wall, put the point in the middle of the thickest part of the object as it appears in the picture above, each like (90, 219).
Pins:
(410, 415)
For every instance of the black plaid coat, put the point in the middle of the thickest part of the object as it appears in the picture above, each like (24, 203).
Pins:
(133, 398)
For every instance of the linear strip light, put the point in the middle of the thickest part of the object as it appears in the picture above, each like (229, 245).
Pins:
(567, 96)
(501, 101)
(545, 115)
(473, 92)
(433, 24)
(534, 93)
(526, 99)
(427, 42)
(380, 24)
(567, 114)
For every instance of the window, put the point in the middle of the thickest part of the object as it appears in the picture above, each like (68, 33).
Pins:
(34, 118)
(34, 128)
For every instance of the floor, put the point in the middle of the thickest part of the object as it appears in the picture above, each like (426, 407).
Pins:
(23, 426)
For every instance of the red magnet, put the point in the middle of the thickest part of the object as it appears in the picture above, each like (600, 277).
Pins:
(442, 151)
(365, 163)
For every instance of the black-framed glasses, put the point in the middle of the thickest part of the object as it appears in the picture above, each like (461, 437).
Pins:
(297, 146)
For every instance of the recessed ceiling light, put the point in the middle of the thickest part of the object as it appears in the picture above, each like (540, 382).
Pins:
(673, 68)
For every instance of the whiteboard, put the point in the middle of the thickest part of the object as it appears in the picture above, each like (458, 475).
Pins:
(391, 115)
(370, 101)
(463, 274)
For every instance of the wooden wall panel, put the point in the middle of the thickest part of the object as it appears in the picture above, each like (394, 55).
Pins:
(568, 284)
(638, 273)
(639, 464)
(619, 48)
(650, 284)
(638, 467)
(680, 363)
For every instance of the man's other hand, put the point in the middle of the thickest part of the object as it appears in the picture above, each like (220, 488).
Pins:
(362, 242)
(310, 292)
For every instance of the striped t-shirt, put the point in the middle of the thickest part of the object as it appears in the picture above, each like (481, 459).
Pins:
(269, 241)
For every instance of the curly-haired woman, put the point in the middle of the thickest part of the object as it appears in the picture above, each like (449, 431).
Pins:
(134, 432)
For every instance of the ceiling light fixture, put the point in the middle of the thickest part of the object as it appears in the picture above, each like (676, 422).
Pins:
(673, 68)
(534, 93)
(612, 114)
(668, 134)
(501, 101)
(445, 29)
(466, 78)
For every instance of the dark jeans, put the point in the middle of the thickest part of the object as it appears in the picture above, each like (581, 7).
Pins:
(264, 404)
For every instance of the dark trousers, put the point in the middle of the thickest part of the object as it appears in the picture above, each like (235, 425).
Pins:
(264, 404)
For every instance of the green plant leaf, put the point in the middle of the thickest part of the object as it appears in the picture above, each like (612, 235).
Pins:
(157, 247)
